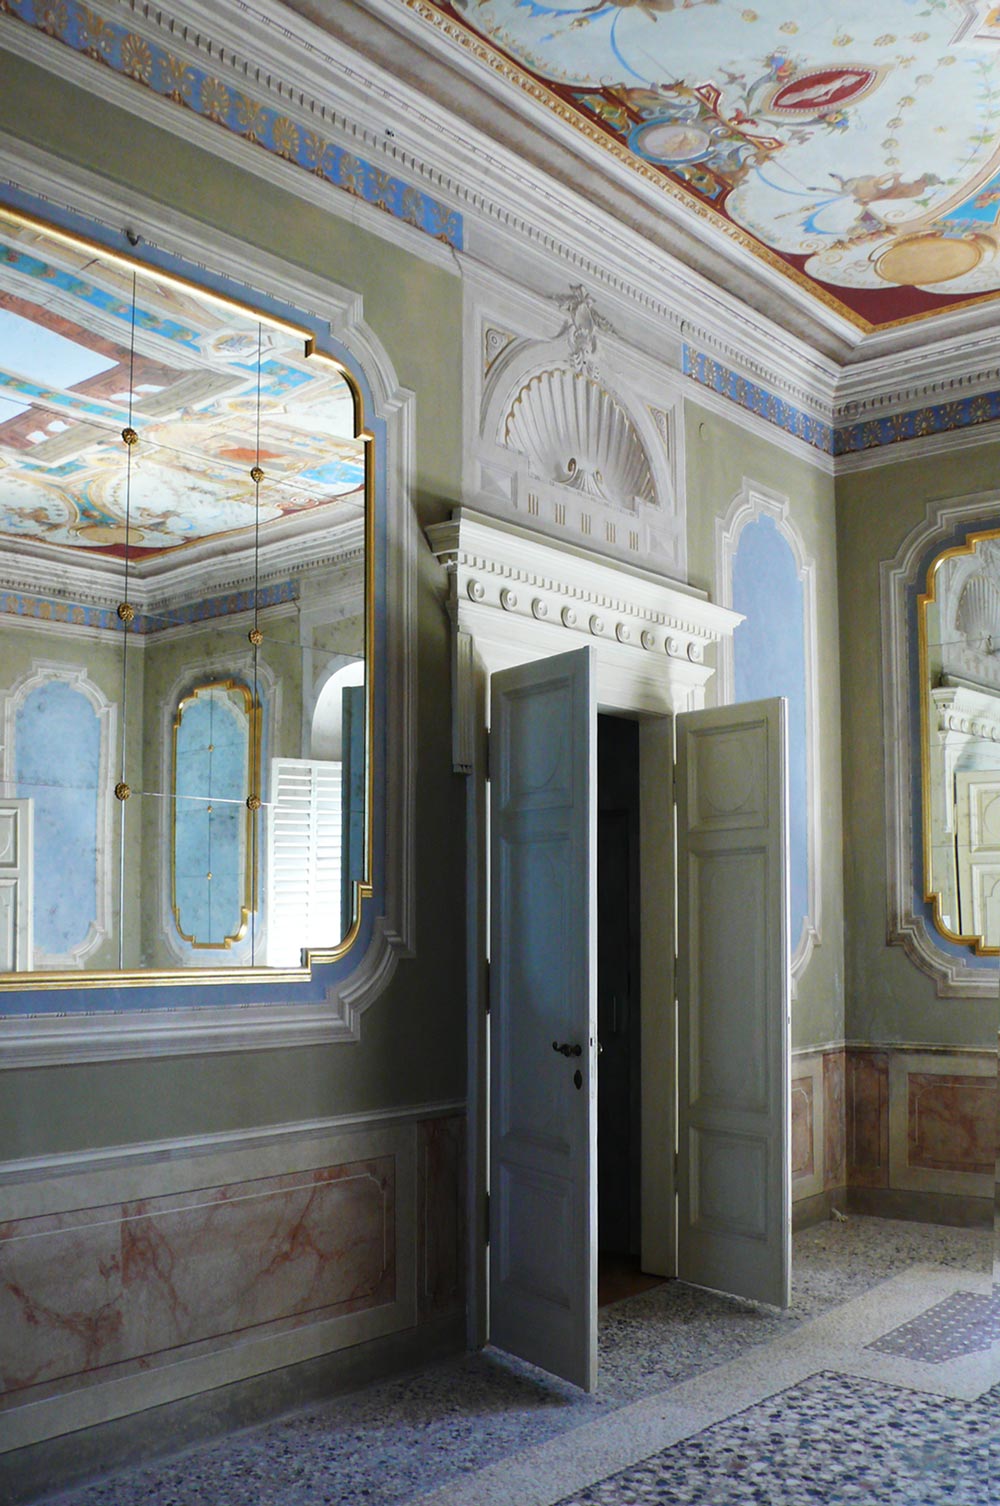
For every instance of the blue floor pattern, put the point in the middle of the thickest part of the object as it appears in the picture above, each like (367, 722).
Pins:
(964, 1323)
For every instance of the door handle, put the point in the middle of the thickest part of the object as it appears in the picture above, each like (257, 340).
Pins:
(565, 1050)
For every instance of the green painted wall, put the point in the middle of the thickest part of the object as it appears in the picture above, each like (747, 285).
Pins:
(719, 456)
(889, 998)
(413, 1038)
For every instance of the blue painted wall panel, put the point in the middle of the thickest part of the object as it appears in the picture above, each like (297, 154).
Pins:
(770, 660)
(57, 753)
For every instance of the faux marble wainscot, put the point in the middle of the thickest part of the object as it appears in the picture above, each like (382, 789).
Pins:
(818, 1124)
(922, 1120)
(143, 1276)
(912, 1129)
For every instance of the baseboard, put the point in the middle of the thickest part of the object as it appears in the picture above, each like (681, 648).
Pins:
(956, 1210)
(31, 1474)
(818, 1209)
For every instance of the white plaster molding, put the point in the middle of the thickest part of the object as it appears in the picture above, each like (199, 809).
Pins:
(519, 597)
(45, 672)
(105, 1035)
(113, 1157)
(753, 502)
(954, 976)
(516, 214)
(560, 475)
(518, 219)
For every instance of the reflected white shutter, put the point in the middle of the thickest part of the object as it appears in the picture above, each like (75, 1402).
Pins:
(304, 857)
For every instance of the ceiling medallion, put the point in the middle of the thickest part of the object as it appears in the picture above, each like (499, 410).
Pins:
(817, 92)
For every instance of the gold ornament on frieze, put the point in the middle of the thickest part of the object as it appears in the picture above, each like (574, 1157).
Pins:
(126, 611)
(253, 802)
(256, 475)
(129, 436)
(122, 790)
(256, 636)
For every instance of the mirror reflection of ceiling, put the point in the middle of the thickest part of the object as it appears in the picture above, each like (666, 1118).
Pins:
(65, 332)
(856, 146)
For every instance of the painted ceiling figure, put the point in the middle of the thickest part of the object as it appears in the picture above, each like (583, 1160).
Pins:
(746, 109)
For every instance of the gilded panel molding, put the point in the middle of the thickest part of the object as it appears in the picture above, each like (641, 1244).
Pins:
(956, 972)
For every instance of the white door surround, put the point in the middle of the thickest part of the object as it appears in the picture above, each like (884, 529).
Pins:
(515, 597)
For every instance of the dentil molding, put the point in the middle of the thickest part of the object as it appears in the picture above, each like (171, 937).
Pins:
(515, 597)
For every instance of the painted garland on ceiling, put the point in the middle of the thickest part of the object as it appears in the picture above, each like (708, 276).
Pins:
(857, 145)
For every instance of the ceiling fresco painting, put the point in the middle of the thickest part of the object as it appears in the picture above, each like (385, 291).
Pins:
(66, 334)
(856, 145)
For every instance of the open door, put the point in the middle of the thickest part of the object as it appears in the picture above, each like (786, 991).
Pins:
(733, 993)
(543, 1107)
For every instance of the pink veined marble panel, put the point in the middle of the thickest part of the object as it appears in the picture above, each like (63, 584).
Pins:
(834, 1120)
(868, 1118)
(803, 1159)
(951, 1122)
(440, 1206)
(105, 1291)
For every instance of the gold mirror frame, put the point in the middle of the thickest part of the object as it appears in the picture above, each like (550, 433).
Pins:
(28, 981)
(925, 600)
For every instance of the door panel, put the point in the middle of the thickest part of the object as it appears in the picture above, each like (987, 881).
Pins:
(16, 885)
(733, 971)
(543, 1127)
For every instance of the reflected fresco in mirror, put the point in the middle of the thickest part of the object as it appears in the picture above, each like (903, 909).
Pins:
(184, 777)
(960, 713)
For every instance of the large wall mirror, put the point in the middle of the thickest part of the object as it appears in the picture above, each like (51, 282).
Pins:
(959, 657)
(186, 622)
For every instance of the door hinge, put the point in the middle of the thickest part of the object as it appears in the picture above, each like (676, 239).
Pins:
(677, 1167)
(486, 1218)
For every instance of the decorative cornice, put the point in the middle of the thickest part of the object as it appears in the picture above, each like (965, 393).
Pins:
(848, 439)
(917, 423)
(509, 212)
(516, 597)
(775, 410)
(135, 56)
(81, 614)
(380, 139)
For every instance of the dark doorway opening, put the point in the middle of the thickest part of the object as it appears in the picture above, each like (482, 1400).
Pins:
(619, 1162)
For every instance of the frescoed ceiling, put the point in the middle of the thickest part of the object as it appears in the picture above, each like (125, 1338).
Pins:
(856, 145)
(70, 382)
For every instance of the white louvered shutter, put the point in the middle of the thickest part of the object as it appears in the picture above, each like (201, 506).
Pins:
(304, 858)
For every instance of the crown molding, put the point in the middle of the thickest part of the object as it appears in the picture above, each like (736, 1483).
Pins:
(516, 217)
(518, 222)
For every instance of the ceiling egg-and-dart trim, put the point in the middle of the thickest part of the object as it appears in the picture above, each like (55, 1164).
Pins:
(855, 147)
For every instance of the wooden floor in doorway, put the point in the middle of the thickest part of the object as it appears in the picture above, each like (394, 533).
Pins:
(619, 1276)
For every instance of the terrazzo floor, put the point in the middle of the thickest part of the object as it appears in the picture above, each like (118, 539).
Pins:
(701, 1398)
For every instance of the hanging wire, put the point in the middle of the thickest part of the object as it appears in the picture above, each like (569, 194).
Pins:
(256, 636)
(126, 615)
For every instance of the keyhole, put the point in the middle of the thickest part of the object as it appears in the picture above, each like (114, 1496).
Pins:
(578, 1078)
